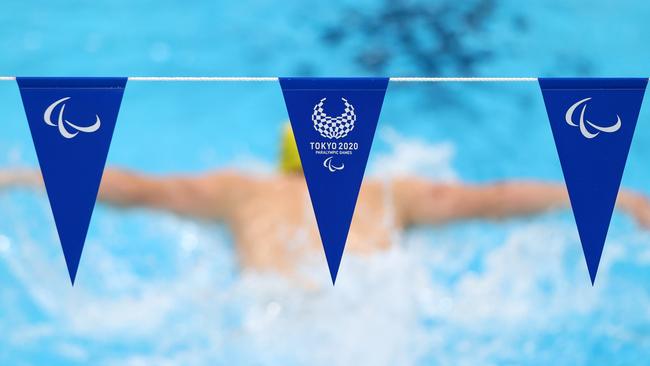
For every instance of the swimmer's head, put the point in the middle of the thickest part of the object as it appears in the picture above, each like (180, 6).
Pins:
(289, 157)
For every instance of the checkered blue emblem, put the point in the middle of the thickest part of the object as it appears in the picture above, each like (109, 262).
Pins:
(333, 127)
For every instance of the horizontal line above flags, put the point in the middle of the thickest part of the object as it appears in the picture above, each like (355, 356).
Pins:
(398, 79)
(408, 79)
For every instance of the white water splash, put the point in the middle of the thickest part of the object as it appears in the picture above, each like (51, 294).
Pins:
(411, 156)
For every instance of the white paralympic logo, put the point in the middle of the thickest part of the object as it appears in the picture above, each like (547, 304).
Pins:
(47, 117)
(331, 167)
(333, 127)
(581, 124)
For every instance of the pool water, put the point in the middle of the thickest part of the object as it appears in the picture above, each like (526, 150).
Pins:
(156, 289)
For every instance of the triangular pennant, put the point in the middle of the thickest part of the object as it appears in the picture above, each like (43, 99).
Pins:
(72, 121)
(334, 122)
(593, 121)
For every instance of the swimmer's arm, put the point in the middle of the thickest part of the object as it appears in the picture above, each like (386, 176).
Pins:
(427, 203)
(20, 178)
(208, 196)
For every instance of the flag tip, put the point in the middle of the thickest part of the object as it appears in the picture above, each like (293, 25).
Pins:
(333, 274)
(592, 275)
(72, 272)
(333, 264)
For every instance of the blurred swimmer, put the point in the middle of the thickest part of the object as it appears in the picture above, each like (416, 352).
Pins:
(271, 216)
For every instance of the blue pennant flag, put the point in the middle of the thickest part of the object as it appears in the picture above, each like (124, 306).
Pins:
(72, 122)
(593, 121)
(334, 122)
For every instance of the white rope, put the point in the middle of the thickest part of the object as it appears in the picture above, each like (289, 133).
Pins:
(270, 78)
(409, 79)
(275, 79)
(203, 78)
(459, 80)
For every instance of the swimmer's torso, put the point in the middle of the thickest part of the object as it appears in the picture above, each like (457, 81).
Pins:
(274, 224)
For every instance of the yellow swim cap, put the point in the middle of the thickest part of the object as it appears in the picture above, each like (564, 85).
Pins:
(289, 157)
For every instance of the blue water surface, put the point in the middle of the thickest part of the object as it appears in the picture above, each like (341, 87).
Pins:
(157, 289)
